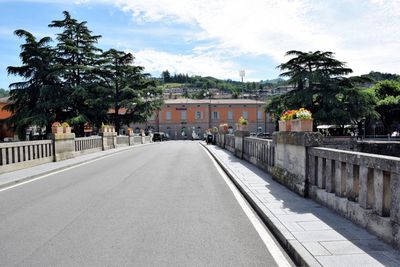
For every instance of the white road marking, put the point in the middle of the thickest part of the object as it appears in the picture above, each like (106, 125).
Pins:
(63, 170)
(271, 245)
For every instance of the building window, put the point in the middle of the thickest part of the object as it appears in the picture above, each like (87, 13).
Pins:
(245, 115)
(168, 115)
(183, 115)
(198, 115)
(230, 115)
(259, 115)
(215, 115)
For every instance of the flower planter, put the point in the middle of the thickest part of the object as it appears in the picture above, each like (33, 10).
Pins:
(301, 125)
(241, 127)
(223, 129)
(56, 129)
(66, 129)
(285, 126)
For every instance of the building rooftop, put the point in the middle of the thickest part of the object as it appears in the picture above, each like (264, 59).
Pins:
(4, 99)
(213, 101)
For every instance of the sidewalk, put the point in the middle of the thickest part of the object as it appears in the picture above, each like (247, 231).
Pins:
(312, 234)
(11, 178)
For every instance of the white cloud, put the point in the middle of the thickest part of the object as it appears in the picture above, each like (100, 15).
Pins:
(157, 61)
(364, 33)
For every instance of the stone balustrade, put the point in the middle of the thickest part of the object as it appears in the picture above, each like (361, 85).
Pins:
(230, 142)
(260, 152)
(18, 155)
(90, 144)
(362, 187)
(122, 140)
(137, 139)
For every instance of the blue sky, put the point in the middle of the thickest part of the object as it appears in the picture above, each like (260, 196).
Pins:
(219, 37)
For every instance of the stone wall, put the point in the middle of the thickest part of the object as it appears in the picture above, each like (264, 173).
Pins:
(291, 158)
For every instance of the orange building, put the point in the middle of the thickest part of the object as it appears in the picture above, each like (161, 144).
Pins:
(5, 132)
(180, 117)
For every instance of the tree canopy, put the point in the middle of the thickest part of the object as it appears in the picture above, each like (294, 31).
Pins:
(320, 85)
(388, 102)
(129, 88)
(75, 81)
(29, 103)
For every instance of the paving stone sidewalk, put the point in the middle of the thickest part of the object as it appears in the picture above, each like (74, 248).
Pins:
(313, 234)
(10, 178)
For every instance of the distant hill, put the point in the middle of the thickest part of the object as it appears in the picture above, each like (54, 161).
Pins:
(274, 81)
(376, 76)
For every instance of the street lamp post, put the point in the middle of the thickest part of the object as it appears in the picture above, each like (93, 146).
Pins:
(242, 74)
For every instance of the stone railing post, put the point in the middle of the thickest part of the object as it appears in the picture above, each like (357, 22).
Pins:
(109, 140)
(131, 139)
(64, 146)
(239, 142)
(291, 166)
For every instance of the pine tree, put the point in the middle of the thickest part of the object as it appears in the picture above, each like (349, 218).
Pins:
(128, 88)
(78, 61)
(33, 100)
(319, 85)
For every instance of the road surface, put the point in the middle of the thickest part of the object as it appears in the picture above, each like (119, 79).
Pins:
(164, 204)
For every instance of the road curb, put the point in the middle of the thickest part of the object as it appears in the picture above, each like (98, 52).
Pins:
(295, 250)
(32, 177)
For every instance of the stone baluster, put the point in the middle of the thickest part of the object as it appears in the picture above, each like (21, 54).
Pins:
(340, 178)
(330, 176)
(395, 197)
(311, 169)
(378, 191)
(321, 173)
(3, 156)
(351, 184)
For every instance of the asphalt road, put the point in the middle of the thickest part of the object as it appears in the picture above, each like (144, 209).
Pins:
(159, 205)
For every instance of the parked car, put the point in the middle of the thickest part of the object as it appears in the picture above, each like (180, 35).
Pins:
(157, 137)
(264, 135)
(160, 136)
(164, 136)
